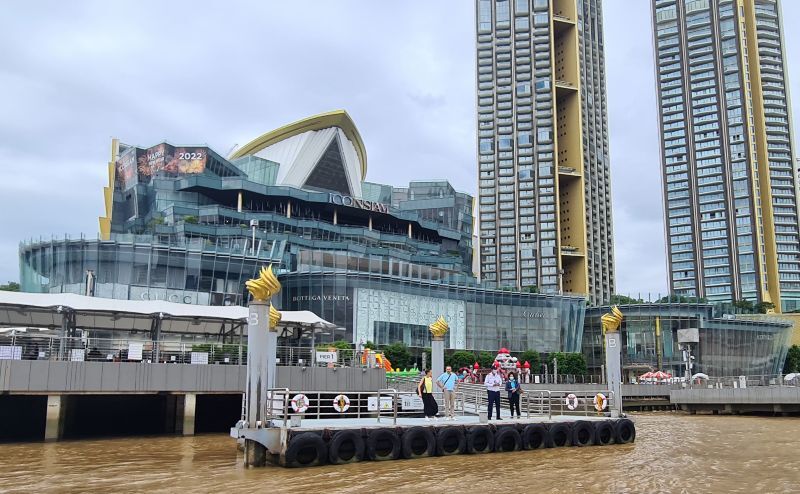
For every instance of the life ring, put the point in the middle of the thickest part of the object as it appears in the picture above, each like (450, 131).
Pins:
(341, 403)
(600, 402)
(299, 403)
(571, 401)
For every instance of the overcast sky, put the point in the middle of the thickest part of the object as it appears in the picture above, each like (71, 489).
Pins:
(75, 74)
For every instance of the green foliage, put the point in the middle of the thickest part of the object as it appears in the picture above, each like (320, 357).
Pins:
(192, 220)
(226, 349)
(744, 306)
(792, 363)
(530, 289)
(461, 358)
(764, 307)
(624, 300)
(678, 299)
(569, 363)
(399, 355)
(370, 345)
(11, 286)
(532, 357)
(486, 359)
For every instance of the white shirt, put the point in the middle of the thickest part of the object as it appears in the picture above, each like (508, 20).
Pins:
(493, 382)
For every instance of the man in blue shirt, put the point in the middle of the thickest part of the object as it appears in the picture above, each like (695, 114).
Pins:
(448, 382)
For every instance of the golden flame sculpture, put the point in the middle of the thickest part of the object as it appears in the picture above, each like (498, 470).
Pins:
(612, 320)
(265, 286)
(274, 316)
(439, 327)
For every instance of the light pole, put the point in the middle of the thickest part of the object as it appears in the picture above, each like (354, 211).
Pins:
(253, 226)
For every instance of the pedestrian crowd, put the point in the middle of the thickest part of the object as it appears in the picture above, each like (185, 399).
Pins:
(448, 384)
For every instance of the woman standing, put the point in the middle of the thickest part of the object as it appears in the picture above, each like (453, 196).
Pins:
(425, 391)
(514, 390)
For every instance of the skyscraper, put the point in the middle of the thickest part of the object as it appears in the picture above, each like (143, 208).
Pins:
(730, 190)
(544, 183)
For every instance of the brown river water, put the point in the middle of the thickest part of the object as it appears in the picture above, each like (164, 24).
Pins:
(672, 453)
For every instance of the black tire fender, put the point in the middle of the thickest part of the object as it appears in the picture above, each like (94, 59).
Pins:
(383, 444)
(418, 442)
(558, 435)
(507, 439)
(346, 447)
(450, 441)
(480, 440)
(624, 431)
(534, 436)
(583, 433)
(604, 433)
(306, 450)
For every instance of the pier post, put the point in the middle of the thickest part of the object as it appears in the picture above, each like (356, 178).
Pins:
(189, 405)
(262, 348)
(54, 419)
(438, 331)
(613, 344)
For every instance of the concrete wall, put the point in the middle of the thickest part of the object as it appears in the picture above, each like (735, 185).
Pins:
(53, 377)
(772, 395)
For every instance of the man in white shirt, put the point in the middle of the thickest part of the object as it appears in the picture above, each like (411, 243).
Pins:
(494, 383)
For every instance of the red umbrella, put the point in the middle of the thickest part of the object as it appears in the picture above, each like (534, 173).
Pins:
(518, 364)
(503, 350)
(661, 375)
(646, 375)
(476, 366)
(527, 365)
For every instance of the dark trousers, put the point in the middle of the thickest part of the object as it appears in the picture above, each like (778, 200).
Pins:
(494, 398)
(513, 401)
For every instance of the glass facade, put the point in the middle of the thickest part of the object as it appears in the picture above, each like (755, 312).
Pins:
(729, 345)
(729, 187)
(386, 306)
(544, 171)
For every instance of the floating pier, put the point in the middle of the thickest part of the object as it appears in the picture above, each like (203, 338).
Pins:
(364, 433)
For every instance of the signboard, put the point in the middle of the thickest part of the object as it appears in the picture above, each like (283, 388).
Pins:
(126, 169)
(77, 355)
(372, 403)
(8, 352)
(689, 335)
(326, 357)
(135, 351)
(200, 358)
(343, 200)
(411, 402)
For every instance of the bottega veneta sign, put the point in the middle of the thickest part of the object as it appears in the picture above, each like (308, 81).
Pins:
(343, 200)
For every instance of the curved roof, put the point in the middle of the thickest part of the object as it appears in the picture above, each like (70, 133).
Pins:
(336, 118)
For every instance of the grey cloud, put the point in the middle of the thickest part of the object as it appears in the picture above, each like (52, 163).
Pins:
(77, 73)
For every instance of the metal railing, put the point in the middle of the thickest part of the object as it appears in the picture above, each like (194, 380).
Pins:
(385, 403)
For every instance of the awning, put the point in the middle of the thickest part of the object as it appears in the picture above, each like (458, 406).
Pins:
(57, 310)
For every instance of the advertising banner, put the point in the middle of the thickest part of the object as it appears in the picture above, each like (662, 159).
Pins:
(126, 169)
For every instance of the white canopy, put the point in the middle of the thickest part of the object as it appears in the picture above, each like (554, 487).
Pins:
(49, 310)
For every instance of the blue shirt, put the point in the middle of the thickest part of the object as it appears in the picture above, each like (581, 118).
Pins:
(448, 380)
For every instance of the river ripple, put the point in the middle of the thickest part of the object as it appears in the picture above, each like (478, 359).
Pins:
(672, 453)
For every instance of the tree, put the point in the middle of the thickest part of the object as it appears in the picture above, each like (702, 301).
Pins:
(532, 357)
(370, 345)
(569, 363)
(624, 300)
(399, 355)
(486, 359)
(792, 363)
(461, 359)
(678, 299)
(764, 307)
(11, 286)
(744, 306)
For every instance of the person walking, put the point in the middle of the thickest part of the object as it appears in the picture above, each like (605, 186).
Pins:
(493, 382)
(448, 382)
(514, 390)
(425, 391)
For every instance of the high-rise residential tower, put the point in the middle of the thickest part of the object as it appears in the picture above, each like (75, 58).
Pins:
(544, 181)
(730, 188)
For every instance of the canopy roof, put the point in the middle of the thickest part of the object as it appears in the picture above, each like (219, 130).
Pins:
(59, 310)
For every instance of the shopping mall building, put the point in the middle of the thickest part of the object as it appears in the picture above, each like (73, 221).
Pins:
(185, 224)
